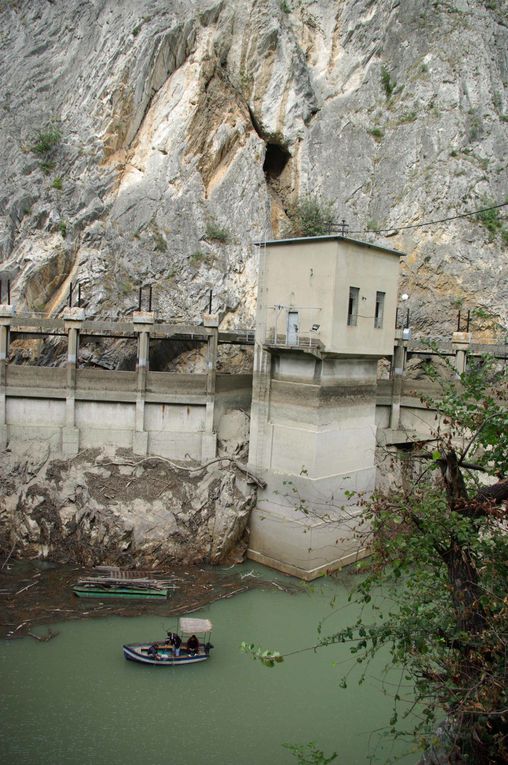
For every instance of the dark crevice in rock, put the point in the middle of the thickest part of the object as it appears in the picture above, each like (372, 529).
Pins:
(276, 159)
(271, 139)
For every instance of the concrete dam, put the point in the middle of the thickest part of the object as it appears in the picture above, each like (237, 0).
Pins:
(326, 314)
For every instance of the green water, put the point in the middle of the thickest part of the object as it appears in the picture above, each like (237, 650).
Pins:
(76, 700)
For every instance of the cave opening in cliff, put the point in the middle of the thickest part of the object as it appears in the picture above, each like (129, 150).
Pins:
(276, 159)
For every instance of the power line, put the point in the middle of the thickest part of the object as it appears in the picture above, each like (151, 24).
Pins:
(419, 225)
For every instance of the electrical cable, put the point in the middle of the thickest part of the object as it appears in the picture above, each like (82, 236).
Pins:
(417, 225)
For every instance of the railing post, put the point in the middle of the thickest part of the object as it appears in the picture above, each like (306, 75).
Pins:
(461, 342)
(73, 318)
(143, 323)
(398, 367)
(209, 445)
(6, 314)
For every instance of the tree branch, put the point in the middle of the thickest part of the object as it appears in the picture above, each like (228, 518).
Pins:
(193, 469)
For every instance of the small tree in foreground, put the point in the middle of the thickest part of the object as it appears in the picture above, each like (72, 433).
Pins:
(440, 556)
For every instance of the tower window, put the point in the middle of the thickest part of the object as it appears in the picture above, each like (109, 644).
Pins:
(352, 309)
(380, 308)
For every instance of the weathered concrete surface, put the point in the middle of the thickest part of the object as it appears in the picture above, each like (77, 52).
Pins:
(111, 507)
(173, 422)
(175, 120)
(312, 439)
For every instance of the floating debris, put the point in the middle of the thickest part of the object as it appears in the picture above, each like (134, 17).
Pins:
(52, 601)
(122, 587)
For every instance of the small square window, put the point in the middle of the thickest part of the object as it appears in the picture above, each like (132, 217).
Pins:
(352, 309)
(380, 309)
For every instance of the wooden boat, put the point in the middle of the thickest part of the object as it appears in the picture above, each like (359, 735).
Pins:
(120, 587)
(160, 653)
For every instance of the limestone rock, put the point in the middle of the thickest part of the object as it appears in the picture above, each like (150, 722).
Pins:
(183, 132)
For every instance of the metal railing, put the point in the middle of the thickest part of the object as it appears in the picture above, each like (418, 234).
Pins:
(309, 341)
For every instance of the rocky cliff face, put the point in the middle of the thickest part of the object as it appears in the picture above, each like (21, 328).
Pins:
(147, 142)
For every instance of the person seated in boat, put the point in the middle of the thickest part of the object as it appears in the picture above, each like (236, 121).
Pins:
(192, 645)
(176, 642)
(153, 651)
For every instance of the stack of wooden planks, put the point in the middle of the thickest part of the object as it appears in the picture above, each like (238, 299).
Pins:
(115, 583)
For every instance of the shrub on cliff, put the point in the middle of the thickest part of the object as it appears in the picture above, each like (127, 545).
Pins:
(310, 216)
(45, 141)
(45, 144)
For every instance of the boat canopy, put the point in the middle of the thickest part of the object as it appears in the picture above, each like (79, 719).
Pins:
(191, 626)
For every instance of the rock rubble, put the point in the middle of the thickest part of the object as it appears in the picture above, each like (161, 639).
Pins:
(111, 507)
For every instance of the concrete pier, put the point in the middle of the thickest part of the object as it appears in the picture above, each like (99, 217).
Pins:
(316, 447)
(325, 315)
(461, 343)
(6, 314)
(143, 323)
(73, 319)
(209, 451)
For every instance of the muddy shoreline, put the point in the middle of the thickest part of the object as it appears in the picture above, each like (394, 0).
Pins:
(34, 594)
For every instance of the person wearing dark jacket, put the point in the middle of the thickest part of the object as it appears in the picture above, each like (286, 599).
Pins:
(193, 645)
(176, 642)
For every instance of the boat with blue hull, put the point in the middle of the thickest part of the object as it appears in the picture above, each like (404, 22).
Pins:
(189, 645)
